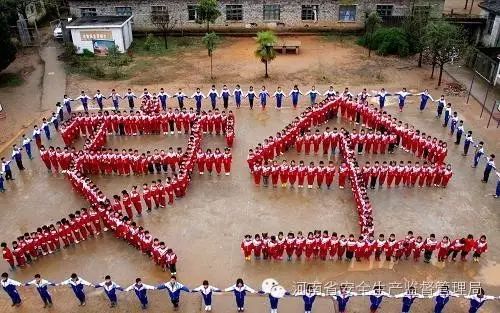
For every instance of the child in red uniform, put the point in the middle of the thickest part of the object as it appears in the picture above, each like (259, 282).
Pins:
(227, 159)
(309, 245)
(246, 247)
(257, 246)
(8, 256)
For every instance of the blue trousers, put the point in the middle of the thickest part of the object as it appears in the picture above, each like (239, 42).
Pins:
(14, 296)
(406, 308)
(439, 308)
(47, 132)
(240, 302)
(46, 298)
(422, 105)
(80, 295)
(477, 156)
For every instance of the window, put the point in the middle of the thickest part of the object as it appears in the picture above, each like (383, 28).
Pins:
(88, 12)
(421, 10)
(489, 23)
(158, 9)
(347, 13)
(310, 12)
(124, 11)
(384, 9)
(192, 12)
(271, 12)
(234, 12)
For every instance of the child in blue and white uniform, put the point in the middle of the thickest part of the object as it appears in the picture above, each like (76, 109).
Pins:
(141, 291)
(99, 98)
(382, 94)
(424, 98)
(115, 99)
(263, 95)
(180, 98)
(174, 289)
(78, 286)
(279, 95)
(251, 96)
(206, 292)
(238, 95)
(84, 99)
(163, 96)
(295, 94)
(110, 288)
(408, 298)
(42, 288)
(130, 98)
(313, 94)
(198, 97)
(402, 98)
(9, 286)
(240, 291)
(225, 94)
(213, 95)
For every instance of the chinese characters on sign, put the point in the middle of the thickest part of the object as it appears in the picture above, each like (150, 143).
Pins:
(425, 288)
(94, 34)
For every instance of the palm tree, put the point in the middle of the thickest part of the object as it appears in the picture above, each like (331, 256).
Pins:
(265, 51)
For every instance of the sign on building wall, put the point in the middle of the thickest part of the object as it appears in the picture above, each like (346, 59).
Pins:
(101, 47)
(95, 34)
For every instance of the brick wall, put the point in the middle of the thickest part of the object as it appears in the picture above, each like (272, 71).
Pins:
(290, 13)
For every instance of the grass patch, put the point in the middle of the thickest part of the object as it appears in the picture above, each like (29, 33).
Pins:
(339, 37)
(10, 80)
(155, 46)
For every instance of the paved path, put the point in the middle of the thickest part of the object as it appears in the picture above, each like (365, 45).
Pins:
(54, 78)
(479, 90)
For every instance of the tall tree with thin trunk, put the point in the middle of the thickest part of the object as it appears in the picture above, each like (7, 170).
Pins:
(207, 12)
(445, 43)
(414, 26)
(164, 22)
(210, 40)
(372, 22)
(265, 50)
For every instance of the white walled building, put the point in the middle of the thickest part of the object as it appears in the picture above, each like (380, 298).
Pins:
(98, 33)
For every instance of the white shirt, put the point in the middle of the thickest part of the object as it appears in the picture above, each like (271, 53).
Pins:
(109, 287)
(240, 289)
(9, 282)
(40, 284)
(207, 290)
(75, 283)
(140, 287)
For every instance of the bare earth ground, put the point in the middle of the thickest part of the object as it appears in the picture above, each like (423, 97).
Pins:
(205, 228)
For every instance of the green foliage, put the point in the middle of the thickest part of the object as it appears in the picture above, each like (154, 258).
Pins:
(387, 41)
(372, 22)
(208, 12)
(87, 53)
(265, 40)
(210, 40)
(7, 48)
(10, 80)
(152, 44)
(117, 59)
(414, 27)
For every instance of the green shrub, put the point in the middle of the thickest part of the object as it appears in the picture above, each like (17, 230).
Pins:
(151, 43)
(387, 41)
(87, 53)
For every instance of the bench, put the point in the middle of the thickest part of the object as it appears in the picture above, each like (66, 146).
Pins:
(283, 46)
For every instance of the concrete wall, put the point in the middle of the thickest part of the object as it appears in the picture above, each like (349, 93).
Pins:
(491, 40)
(290, 13)
(121, 36)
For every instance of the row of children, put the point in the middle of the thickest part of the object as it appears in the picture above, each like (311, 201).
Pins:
(323, 246)
(240, 290)
(386, 173)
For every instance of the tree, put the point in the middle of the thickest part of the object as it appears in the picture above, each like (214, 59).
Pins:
(372, 22)
(164, 22)
(445, 43)
(7, 48)
(414, 26)
(208, 12)
(210, 40)
(265, 51)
